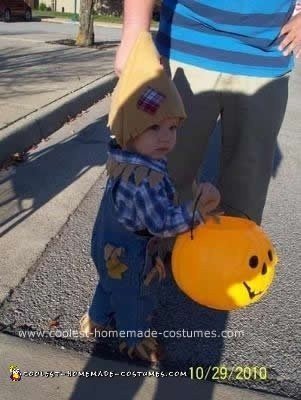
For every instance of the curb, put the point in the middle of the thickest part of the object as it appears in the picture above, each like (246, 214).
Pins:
(68, 21)
(96, 23)
(28, 131)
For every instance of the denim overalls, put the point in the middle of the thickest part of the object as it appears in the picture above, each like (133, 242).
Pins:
(123, 260)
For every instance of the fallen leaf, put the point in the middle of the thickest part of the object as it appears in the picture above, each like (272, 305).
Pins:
(54, 323)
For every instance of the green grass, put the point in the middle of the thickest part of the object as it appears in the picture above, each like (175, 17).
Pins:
(53, 14)
(100, 18)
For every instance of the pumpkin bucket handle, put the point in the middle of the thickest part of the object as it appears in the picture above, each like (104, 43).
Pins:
(217, 214)
(241, 212)
(193, 215)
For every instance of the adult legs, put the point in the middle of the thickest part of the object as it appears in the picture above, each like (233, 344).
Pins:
(198, 88)
(252, 113)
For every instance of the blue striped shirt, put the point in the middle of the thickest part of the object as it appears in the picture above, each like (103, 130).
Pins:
(140, 207)
(232, 36)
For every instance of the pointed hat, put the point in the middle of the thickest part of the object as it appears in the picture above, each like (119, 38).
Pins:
(144, 94)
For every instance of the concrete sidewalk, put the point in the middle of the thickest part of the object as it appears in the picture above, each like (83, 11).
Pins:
(36, 358)
(73, 159)
(42, 85)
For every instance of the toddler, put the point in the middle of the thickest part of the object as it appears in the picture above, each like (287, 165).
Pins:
(139, 206)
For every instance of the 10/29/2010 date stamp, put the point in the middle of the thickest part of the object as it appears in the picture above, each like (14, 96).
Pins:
(223, 373)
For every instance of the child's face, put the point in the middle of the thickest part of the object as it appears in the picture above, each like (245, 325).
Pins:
(157, 140)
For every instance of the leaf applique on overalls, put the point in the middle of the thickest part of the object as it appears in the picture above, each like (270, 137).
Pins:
(115, 267)
(158, 269)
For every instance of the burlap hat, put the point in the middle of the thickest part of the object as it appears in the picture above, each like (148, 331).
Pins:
(144, 94)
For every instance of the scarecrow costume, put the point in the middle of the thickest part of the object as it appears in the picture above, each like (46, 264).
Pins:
(138, 208)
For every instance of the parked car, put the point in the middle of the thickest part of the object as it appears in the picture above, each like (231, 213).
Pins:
(14, 8)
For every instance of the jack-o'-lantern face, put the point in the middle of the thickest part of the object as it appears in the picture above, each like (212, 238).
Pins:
(225, 265)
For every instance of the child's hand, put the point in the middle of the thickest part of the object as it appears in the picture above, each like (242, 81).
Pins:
(209, 198)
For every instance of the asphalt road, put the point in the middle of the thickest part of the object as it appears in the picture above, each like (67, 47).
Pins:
(40, 31)
(62, 281)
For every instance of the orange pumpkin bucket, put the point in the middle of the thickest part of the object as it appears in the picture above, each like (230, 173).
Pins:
(225, 264)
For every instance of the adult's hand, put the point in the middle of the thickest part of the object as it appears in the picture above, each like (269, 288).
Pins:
(292, 37)
(120, 58)
(123, 51)
(137, 15)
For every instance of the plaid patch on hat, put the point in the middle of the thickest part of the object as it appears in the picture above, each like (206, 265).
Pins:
(150, 100)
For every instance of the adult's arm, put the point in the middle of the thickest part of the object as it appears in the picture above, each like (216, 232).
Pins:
(137, 16)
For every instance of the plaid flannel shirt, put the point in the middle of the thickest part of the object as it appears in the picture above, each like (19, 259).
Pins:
(144, 207)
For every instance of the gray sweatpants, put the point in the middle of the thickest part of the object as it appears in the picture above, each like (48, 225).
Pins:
(251, 111)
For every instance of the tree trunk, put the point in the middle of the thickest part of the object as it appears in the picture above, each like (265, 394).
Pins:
(85, 36)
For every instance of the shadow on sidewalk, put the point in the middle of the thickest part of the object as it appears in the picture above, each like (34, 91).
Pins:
(97, 45)
(26, 73)
(137, 387)
(49, 171)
